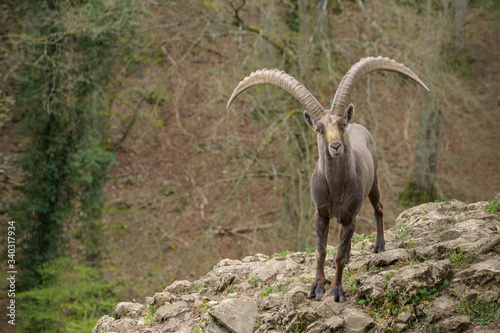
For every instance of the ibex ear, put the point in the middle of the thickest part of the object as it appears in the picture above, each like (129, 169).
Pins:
(349, 112)
(309, 120)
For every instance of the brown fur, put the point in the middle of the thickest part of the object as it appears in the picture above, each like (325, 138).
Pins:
(342, 178)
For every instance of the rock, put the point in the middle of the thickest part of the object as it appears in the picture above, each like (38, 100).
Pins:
(272, 301)
(358, 321)
(170, 310)
(161, 298)
(237, 315)
(481, 273)
(405, 316)
(454, 324)
(128, 309)
(213, 327)
(389, 257)
(276, 268)
(421, 287)
(178, 287)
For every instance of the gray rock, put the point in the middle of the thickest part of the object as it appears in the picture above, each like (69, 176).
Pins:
(358, 321)
(170, 310)
(161, 298)
(213, 327)
(128, 309)
(405, 316)
(276, 268)
(237, 315)
(178, 287)
(272, 301)
(454, 324)
(481, 273)
(389, 257)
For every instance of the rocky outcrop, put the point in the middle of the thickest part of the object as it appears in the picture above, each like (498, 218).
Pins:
(440, 273)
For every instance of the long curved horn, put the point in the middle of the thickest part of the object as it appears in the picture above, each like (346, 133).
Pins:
(282, 80)
(362, 68)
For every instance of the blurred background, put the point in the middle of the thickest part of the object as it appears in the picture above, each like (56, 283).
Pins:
(123, 170)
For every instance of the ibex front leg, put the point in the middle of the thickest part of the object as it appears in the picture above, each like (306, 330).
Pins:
(343, 254)
(321, 223)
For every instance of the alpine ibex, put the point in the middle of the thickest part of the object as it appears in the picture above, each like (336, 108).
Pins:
(346, 171)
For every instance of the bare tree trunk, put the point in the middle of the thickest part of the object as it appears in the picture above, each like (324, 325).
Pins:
(459, 20)
(421, 185)
(297, 205)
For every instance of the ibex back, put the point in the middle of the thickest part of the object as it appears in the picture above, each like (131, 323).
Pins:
(346, 171)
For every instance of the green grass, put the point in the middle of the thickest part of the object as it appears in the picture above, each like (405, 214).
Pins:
(200, 287)
(150, 315)
(331, 251)
(266, 291)
(284, 254)
(493, 208)
(254, 281)
(362, 237)
(388, 276)
(403, 232)
(310, 250)
(460, 259)
(479, 310)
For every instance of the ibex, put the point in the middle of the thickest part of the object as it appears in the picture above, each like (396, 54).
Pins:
(346, 171)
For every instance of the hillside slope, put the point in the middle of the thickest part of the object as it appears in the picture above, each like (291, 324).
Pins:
(440, 273)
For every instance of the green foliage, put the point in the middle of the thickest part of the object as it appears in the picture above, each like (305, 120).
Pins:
(291, 15)
(403, 233)
(150, 315)
(426, 295)
(414, 195)
(460, 259)
(284, 254)
(5, 104)
(388, 276)
(266, 291)
(230, 289)
(254, 281)
(362, 237)
(200, 287)
(479, 310)
(493, 208)
(310, 250)
(70, 298)
(70, 49)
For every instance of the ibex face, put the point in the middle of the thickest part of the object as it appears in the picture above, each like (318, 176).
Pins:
(332, 129)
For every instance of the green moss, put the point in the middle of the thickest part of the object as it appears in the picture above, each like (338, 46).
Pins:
(413, 195)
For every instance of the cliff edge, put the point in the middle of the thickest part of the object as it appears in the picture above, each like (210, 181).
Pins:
(440, 273)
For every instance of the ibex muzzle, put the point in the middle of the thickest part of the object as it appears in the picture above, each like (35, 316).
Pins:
(346, 171)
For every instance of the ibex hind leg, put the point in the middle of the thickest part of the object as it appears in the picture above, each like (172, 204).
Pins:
(374, 197)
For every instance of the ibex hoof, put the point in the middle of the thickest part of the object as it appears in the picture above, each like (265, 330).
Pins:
(379, 247)
(317, 290)
(338, 294)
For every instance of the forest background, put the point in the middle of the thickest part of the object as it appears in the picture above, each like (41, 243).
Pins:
(123, 170)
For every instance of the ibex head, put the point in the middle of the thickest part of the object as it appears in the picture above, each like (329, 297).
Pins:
(331, 128)
(330, 124)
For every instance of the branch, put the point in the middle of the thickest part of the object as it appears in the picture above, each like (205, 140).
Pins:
(372, 22)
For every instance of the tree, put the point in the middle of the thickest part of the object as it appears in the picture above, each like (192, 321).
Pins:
(421, 185)
(69, 50)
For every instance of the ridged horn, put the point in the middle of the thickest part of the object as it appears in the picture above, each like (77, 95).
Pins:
(362, 68)
(285, 81)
